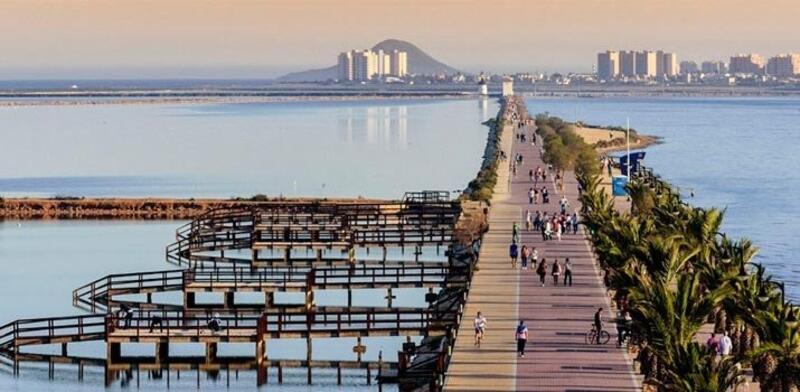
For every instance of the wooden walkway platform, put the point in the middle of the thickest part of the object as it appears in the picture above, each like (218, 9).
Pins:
(557, 357)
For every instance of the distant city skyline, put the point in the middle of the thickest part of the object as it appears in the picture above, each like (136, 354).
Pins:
(248, 38)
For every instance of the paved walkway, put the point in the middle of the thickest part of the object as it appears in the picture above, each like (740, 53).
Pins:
(558, 359)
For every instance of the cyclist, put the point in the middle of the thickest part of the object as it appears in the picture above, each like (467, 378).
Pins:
(480, 328)
(598, 324)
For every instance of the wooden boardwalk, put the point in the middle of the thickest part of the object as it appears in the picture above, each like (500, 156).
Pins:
(557, 358)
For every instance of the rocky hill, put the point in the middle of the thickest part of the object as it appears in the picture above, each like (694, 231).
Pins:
(419, 63)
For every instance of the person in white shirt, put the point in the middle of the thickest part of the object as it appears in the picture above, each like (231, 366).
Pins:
(480, 328)
(725, 345)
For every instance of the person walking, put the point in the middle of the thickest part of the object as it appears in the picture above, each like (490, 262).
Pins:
(725, 345)
(537, 222)
(528, 220)
(480, 328)
(556, 272)
(534, 258)
(522, 338)
(574, 222)
(513, 252)
(713, 343)
(531, 194)
(558, 229)
(564, 203)
(567, 272)
(542, 270)
(524, 254)
(598, 323)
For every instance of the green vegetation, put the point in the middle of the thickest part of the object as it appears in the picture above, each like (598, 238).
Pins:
(482, 187)
(564, 148)
(669, 265)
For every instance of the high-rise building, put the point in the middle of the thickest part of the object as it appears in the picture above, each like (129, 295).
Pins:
(608, 65)
(384, 63)
(689, 67)
(747, 64)
(364, 65)
(714, 67)
(784, 65)
(669, 64)
(647, 63)
(399, 61)
(345, 65)
(627, 63)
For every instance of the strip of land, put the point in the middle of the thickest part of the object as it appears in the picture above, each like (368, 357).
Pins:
(558, 317)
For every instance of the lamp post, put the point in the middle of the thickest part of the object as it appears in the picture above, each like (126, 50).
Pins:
(628, 143)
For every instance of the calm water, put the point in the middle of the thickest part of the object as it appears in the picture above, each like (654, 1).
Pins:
(735, 153)
(377, 148)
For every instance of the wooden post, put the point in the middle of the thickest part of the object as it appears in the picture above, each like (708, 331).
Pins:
(162, 352)
(229, 300)
(64, 349)
(261, 348)
(211, 352)
(113, 352)
(189, 300)
(308, 358)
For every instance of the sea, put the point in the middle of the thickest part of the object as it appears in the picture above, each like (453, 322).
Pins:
(734, 153)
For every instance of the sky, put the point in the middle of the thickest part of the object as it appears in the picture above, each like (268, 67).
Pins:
(249, 38)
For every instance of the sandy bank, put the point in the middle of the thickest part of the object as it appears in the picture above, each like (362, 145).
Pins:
(607, 140)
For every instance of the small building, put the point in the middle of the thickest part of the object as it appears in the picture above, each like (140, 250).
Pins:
(483, 89)
(508, 86)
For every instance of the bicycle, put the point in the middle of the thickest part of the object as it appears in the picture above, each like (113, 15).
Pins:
(591, 336)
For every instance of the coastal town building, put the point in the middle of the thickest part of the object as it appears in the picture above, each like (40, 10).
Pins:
(365, 65)
(747, 64)
(508, 86)
(399, 60)
(627, 63)
(669, 64)
(714, 67)
(613, 64)
(345, 66)
(608, 65)
(647, 63)
(689, 67)
(784, 65)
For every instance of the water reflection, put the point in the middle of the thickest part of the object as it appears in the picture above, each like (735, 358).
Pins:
(385, 126)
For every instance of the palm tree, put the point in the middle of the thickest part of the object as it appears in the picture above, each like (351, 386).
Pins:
(778, 356)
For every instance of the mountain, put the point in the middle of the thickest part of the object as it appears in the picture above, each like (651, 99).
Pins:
(419, 63)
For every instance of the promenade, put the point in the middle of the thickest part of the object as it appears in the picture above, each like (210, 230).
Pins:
(558, 359)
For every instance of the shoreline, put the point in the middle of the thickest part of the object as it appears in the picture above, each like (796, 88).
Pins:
(221, 99)
(138, 208)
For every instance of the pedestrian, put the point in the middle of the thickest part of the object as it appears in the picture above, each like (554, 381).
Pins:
(564, 204)
(537, 221)
(725, 345)
(522, 338)
(567, 272)
(525, 253)
(534, 258)
(542, 270)
(528, 218)
(530, 175)
(535, 196)
(215, 323)
(515, 232)
(480, 328)
(547, 230)
(712, 343)
(556, 272)
(530, 196)
(545, 196)
(513, 253)
(558, 230)
(574, 222)
(598, 323)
